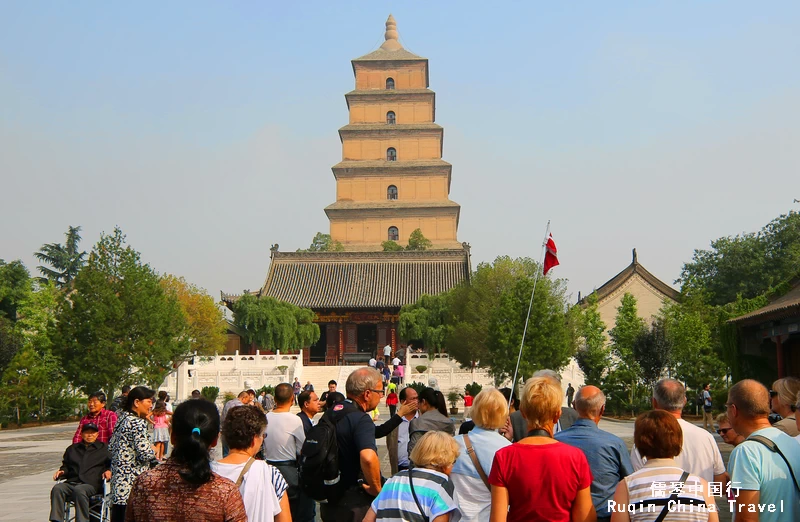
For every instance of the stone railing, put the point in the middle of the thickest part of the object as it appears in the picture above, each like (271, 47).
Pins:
(232, 373)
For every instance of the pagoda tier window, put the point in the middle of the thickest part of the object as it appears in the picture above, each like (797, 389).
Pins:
(389, 84)
(390, 118)
(391, 192)
(394, 235)
(391, 154)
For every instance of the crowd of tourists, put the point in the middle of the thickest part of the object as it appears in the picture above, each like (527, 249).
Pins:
(523, 458)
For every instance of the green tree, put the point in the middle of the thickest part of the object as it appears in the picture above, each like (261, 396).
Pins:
(323, 243)
(472, 304)
(274, 324)
(15, 286)
(426, 320)
(416, 241)
(121, 327)
(652, 350)
(593, 357)
(628, 326)
(391, 246)
(65, 260)
(549, 343)
(34, 375)
(747, 264)
(690, 332)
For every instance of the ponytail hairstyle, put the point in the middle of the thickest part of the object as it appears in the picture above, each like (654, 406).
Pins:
(195, 428)
(434, 398)
(160, 408)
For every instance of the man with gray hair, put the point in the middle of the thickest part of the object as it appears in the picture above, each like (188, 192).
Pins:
(607, 454)
(700, 454)
(568, 415)
(358, 453)
(766, 466)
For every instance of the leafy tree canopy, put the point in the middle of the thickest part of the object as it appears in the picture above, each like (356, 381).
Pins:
(628, 326)
(15, 286)
(652, 350)
(391, 246)
(122, 327)
(551, 339)
(747, 264)
(274, 324)
(323, 243)
(416, 241)
(593, 356)
(472, 304)
(206, 329)
(65, 260)
(426, 320)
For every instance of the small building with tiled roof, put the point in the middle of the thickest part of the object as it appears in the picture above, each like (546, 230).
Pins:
(769, 338)
(357, 296)
(650, 292)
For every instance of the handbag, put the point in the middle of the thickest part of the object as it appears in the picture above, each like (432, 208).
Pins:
(476, 462)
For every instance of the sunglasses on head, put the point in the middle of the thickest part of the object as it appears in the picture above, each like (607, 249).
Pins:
(772, 393)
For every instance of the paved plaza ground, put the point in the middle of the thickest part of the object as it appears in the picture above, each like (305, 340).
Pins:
(29, 457)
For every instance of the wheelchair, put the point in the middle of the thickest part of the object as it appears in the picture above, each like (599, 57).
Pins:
(99, 506)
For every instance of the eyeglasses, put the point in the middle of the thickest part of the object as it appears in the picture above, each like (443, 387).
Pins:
(382, 392)
(772, 393)
(723, 431)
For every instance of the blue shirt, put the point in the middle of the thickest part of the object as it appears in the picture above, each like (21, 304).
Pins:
(754, 467)
(608, 459)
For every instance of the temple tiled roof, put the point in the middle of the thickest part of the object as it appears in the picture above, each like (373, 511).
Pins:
(635, 268)
(783, 306)
(383, 164)
(391, 127)
(381, 55)
(362, 280)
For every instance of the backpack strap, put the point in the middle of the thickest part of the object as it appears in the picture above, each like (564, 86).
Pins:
(476, 462)
(770, 444)
(414, 494)
(675, 493)
(244, 472)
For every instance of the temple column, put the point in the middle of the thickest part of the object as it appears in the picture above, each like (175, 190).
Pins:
(341, 343)
(779, 355)
(394, 340)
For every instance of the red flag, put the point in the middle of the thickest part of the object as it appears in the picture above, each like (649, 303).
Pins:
(551, 255)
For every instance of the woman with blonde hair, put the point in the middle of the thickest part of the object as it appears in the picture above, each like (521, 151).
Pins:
(425, 490)
(477, 449)
(783, 396)
(539, 478)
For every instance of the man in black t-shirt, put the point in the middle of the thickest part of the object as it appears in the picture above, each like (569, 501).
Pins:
(331, 389)
(358, 453)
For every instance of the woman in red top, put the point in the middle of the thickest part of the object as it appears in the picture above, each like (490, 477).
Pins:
(538, 478)
(391, 402)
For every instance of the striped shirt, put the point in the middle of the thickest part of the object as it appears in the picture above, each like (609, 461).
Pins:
(650, 488)
(434, 490)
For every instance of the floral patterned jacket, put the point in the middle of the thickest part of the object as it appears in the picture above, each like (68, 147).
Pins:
(131, 454)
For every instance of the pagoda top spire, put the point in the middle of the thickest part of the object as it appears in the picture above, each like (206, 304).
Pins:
(391, 35)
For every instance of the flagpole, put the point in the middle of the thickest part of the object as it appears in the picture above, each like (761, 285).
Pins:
(528, 317)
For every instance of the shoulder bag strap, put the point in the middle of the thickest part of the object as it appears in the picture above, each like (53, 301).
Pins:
(673, 497)
(416, 500)
(244, 472)
(476, 462)
(770, 444)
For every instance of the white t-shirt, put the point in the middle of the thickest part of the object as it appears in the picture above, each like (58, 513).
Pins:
(258, 493)
(395, 361)
(285, 436)
(387, 350)
(700, 454)
(373, 362)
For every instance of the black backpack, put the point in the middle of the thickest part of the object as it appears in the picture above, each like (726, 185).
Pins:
(319, 458)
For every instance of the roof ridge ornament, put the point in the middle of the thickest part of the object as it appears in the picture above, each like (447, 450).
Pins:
(391, 35)
(635, 257)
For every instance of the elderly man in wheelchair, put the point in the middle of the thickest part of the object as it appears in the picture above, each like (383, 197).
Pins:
(85, 466)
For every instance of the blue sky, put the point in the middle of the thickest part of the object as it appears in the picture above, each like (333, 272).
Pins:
(207, 130)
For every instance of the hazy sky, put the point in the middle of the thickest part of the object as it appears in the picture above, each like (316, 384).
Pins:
(206, 130)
